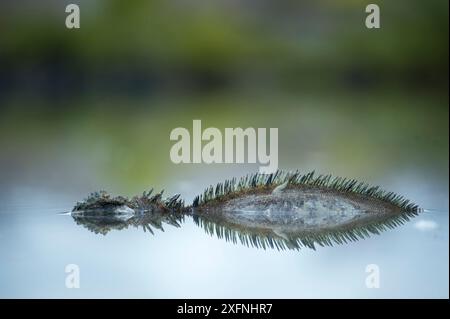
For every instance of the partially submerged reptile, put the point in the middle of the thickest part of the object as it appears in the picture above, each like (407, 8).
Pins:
(280, 210)
(101, 212)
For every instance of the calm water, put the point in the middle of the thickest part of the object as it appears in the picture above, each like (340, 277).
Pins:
(92, 109)
(37, 243)
(49, 163)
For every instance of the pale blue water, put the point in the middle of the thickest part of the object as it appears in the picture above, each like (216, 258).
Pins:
(36, 244)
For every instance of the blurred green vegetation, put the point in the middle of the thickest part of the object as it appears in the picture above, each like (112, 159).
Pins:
(97, 104)
(156, 45)
(361, 135)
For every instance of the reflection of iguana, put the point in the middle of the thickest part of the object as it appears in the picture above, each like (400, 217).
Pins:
(281, 210)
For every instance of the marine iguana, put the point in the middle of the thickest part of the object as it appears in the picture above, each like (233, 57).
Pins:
(284, 210)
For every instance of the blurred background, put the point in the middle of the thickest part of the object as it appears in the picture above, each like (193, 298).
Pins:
(92, 108)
